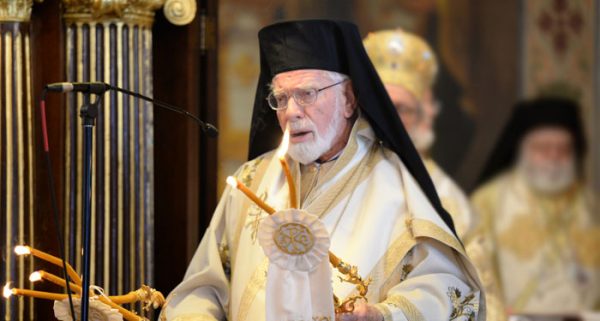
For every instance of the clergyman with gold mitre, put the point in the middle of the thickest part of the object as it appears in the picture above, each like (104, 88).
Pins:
(408, 67)
(540, 218)
(362, 193)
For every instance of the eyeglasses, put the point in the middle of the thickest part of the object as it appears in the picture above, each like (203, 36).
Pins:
(302, 96)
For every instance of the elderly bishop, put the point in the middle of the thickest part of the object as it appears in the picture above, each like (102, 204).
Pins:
(349, 156)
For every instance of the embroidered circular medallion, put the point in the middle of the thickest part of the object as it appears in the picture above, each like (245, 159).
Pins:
(294, 238)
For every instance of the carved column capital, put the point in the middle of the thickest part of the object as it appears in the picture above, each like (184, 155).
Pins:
(15, 10)
(140, 12)
(180, 12)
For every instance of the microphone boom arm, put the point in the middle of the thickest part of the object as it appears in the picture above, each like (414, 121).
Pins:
(99, 88)
(207, 128)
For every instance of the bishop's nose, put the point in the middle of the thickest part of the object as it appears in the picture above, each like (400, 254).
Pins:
(293, 110)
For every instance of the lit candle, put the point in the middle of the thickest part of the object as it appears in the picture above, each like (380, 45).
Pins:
(43, 275)
(286, 168)
(233, 182)
(24, 250)
(8, 292)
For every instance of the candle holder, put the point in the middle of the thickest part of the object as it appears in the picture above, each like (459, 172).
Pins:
(105, 307)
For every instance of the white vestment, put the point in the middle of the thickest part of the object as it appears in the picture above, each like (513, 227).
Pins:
(545, 248)
(458, 206)
(453, 199)
(418, 267)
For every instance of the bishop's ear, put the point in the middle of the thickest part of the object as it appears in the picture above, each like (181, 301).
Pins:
(350, 103)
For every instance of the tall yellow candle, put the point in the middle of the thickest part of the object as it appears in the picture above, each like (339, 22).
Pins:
(24, 250)
(127, 298)
(8, 292)
(286, 168)
(43, 275)
(233, 182)
(128, 315)
(290, 182)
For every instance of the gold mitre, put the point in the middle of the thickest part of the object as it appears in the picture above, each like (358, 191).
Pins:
(402, 58)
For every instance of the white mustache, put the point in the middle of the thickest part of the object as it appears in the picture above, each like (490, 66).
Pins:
(301, 125)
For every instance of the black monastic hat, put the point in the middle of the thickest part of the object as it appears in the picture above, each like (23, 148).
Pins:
(528, 115)
(333, 46)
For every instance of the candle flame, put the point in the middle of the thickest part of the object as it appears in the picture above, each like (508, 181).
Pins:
(285, 143)
(232, 181)
(7, 291)
(22, 250)
(35, 276)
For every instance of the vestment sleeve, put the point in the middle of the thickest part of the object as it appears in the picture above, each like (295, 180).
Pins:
(204, 292)
(434, 286)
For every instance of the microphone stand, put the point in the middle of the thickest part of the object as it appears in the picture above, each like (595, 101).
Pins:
(88, 113)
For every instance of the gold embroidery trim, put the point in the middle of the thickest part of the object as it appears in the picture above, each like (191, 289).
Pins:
(340, 189)
(294, 239)
(344, 186)
(260, 165)
(423, 228)
(390, 262)
(349, 151)
(462, 306)
(408, 309)
(257, 282)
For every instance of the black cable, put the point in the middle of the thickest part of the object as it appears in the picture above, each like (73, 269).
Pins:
(54, 203)
(208, 129)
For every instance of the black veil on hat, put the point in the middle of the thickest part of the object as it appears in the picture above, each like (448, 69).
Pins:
(334, 46)
(528, 115)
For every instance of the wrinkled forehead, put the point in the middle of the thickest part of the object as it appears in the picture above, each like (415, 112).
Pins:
(301, 77)
(549, 135)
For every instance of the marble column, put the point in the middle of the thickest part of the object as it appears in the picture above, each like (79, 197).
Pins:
(17, 153)
(111, 41)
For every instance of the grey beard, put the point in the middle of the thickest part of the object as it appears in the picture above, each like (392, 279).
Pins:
(423, 140)
(308, 152)
(548, 179)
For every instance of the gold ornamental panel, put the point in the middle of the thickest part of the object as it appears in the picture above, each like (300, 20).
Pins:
(294, 239)
(15, 10)
(139, 12)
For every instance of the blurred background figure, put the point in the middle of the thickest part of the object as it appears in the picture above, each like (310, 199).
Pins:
(407, 67)
(539, 217)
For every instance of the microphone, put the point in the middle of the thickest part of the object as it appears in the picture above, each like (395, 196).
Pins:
(100, 88)
(83, 87)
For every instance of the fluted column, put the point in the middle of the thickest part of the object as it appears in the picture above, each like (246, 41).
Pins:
(16, 151)
(111, 41)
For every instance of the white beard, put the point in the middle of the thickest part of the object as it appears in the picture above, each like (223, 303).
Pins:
(309, 151)
(423, 140)
(548, 178)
